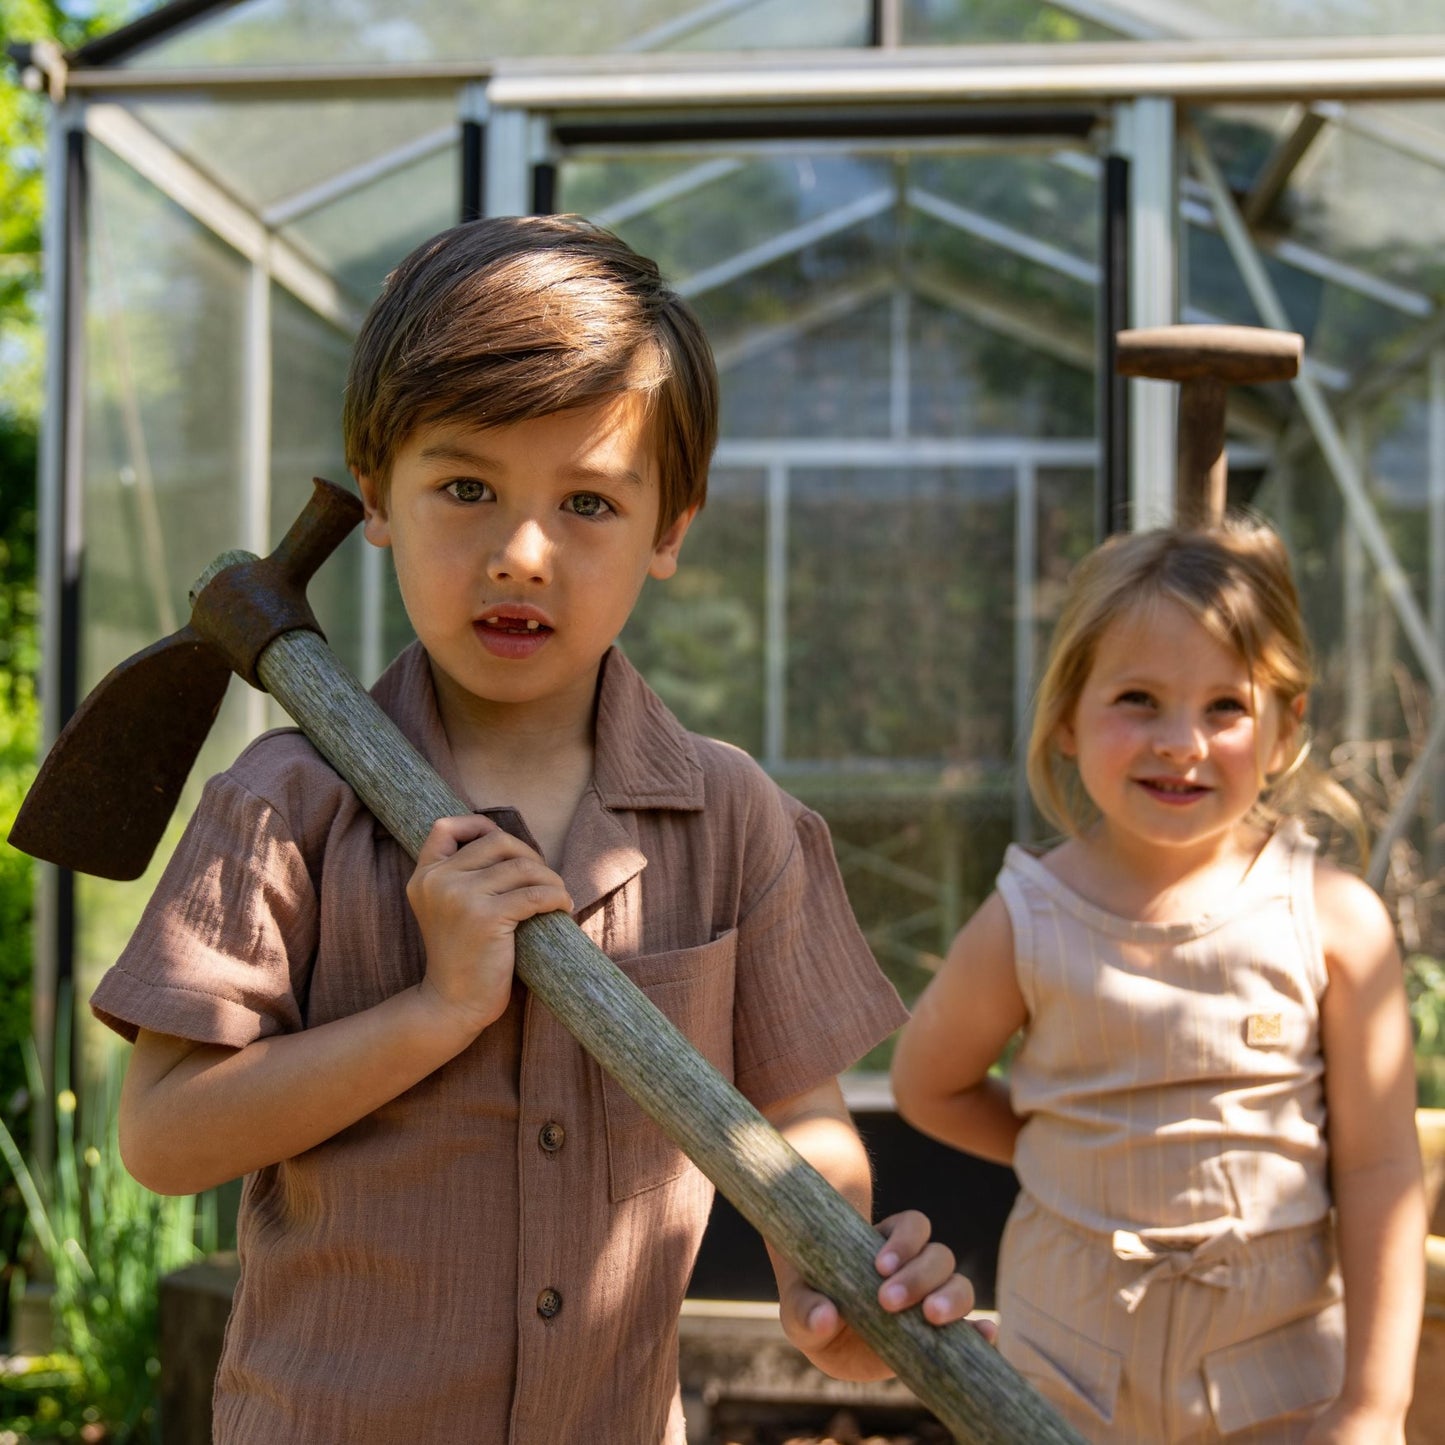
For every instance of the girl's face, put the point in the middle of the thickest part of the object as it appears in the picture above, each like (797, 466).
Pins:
(1172, 738)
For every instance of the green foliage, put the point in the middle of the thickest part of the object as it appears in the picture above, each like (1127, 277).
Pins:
(106, 1242)
(19, 727)
(1425, 989)
(23, 119)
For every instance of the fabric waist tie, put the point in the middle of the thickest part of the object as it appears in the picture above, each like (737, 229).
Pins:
(1208, 1262)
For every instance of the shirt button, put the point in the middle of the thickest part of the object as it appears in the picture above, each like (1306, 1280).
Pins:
(548, 1303)
(551, 1137)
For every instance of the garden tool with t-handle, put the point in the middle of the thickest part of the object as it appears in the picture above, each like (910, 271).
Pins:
(107, 789)
(1205, 360)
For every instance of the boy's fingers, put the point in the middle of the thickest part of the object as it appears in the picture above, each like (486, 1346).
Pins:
(450, 834)
(951, 1301)
(929, 1275)
(905, 1235)
(811, 1315)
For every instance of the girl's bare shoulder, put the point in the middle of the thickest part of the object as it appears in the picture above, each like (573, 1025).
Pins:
(1356, 930)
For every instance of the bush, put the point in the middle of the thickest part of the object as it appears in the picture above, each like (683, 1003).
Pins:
(19, 728)
(19, 733)
(1425, 989)
(106, 1242)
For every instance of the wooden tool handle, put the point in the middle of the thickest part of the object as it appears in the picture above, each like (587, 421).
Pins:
(951, 1370)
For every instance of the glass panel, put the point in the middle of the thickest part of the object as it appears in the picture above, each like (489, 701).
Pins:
(270, 153)
(1285, 18)
(935, 22)
(308, 374)
(163, 426)
(699, 638)
(360, 237)
(974, 22)
(778, 25)
(1345, 199)
(163, 451)
(899, 584)
(343, 32)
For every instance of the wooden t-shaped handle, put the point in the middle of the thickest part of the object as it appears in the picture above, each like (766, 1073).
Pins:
(1205, 361)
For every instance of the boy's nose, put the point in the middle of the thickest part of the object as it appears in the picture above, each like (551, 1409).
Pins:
(523, 554)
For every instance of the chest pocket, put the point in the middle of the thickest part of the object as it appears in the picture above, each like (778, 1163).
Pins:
(694, 988)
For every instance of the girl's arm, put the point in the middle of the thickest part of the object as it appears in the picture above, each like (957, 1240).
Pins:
(1374, 1160)
(959, 1028)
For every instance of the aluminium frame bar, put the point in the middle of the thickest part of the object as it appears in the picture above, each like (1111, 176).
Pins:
(1335, 68)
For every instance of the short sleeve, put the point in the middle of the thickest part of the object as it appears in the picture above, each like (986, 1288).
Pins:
(810, 997)
(223, 949)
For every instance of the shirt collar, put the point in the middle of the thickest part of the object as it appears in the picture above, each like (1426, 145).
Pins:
(644, 757)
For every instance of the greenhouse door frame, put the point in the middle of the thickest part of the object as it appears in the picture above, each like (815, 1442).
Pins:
(512, 157)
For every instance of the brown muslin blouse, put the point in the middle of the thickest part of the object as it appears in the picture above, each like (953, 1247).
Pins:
(500, 1253)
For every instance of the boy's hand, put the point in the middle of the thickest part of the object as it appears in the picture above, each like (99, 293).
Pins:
(473, 884)
(915, 1269)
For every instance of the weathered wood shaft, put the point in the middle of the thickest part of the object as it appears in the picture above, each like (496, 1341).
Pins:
(952, 1371)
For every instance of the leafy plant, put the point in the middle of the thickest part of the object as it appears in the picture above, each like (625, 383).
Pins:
(106, 1241)
(1425, 989)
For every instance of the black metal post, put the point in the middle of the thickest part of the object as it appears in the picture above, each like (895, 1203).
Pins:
(1113, 389)
(544, 188)
(474, 170)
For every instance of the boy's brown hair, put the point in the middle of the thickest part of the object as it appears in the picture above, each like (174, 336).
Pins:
(516, 317)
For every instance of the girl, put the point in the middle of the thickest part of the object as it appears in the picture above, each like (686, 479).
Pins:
(1197, 996)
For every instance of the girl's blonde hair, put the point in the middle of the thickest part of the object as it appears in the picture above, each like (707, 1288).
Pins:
(1235, 579)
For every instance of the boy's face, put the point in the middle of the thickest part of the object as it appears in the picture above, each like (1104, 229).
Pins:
(521, 549)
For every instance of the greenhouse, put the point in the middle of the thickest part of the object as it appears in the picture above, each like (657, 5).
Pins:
(912, 229)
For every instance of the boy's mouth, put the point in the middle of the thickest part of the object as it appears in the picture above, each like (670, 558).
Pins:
(513, 631)
(513, 624)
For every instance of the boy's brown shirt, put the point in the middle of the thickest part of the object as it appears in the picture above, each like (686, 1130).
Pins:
(500, 1253)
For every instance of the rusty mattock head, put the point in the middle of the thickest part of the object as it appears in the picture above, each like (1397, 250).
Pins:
(1205, 361)
(107, 788)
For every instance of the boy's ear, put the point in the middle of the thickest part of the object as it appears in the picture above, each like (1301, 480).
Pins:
(664, 553)
(376, 526)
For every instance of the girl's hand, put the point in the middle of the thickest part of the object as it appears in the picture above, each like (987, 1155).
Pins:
(473, 884)
(915, 1270)
(1344, 1424)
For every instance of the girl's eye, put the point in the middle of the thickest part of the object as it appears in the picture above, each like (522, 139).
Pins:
(588, 504)
(1135, 698)
(1230, 705)
(467, 489)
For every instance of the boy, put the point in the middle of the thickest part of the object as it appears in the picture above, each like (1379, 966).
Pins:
(453, 1225)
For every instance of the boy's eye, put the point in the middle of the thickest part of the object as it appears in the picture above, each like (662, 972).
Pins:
(467, 489)
(588, 504)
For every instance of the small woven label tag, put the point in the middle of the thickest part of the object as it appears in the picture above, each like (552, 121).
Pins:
(1263, 1030)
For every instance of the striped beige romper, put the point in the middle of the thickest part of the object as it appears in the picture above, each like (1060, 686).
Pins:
(1168, 1273)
